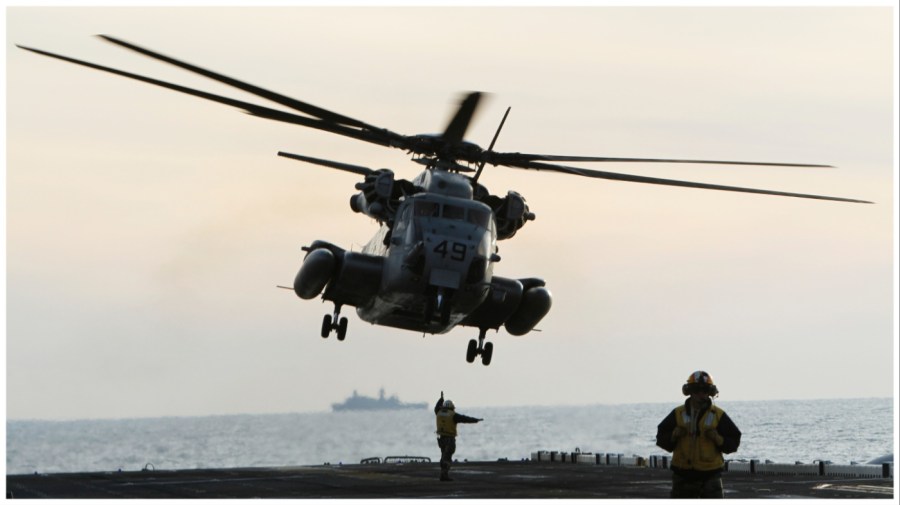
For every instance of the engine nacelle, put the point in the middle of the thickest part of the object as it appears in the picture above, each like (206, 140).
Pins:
(376, 195)
(512, 215)
(314, 274)
(511, 211)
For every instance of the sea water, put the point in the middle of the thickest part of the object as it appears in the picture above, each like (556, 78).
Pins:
(840, 431)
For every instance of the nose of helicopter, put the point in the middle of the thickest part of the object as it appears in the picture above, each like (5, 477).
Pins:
(454, 259)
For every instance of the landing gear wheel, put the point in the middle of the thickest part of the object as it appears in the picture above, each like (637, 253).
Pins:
(471, 351)
(486, 353)
(342, 329)
(334, 322)
(485, 350)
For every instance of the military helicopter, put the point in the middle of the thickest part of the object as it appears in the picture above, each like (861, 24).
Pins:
(429, 268)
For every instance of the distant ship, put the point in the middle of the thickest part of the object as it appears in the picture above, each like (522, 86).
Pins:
(359, 402)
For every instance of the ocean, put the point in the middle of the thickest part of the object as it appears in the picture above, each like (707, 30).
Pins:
(784, 431)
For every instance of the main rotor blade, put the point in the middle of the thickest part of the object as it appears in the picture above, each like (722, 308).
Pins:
(504, 158)
(457, 127)
(672, 182)
(356, 169)
(297, 105)
(256, 110)
(491, 147)
(342, 125)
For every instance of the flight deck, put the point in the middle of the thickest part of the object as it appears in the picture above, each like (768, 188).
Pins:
(496, 479)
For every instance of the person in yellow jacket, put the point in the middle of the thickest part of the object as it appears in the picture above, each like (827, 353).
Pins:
(447, 419)
(697, 434)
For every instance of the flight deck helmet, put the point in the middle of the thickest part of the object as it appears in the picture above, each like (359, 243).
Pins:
(699, 381)
(448, 404)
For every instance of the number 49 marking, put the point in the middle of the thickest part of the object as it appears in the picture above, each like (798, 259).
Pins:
(457, 250)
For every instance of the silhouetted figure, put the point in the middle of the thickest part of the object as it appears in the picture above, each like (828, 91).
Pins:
(698, 433)
(447, 419)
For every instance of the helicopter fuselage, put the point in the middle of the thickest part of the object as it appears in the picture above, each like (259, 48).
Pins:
(438, 257)
(428, 268)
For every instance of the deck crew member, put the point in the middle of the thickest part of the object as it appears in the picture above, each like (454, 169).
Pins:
(698, 433)
(447, 419)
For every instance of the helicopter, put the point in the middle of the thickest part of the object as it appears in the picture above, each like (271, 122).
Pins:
(430, 266)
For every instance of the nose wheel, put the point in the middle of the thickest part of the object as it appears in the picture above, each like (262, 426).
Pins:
(334, 323)
(485, 350)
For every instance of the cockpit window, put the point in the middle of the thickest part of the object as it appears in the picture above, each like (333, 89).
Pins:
(454, 212)
(426, 209)
(479, 217)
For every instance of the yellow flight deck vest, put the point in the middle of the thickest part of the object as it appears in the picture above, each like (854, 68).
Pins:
(698, 452)
(445, 425)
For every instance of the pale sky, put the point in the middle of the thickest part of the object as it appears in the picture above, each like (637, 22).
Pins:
(146, 230)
